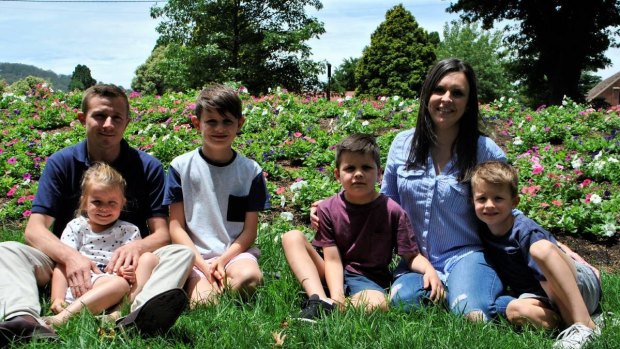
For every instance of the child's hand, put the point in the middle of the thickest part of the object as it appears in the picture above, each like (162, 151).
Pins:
(58, 305)
(314, 217)
(432, 281)
(128, 273)
(217, 273)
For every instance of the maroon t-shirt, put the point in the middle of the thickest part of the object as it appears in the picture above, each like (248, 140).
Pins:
(366, 235)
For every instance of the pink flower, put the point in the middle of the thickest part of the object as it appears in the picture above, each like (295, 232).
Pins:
(558, 203)
(544, 205)
(559, 167)
(588, 196)
(30, 197)
(12, 160)
(27, 176)
(585, 183)
(21, 200)
(528, 118)
(297, 134)
(11, 192)
(26, 213)
(280, 190)
(537, 169)
(531, 190)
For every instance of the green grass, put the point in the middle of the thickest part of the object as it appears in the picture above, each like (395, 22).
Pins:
(233, 324)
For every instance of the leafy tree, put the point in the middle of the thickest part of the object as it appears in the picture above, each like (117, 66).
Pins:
(81, 78)
(398, 58)
(259, 43)
(344, 76)
(483, 51)
(166, 69)
(12, 72)
(555, 42)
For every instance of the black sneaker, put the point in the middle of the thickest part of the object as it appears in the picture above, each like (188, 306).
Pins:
(314, 308)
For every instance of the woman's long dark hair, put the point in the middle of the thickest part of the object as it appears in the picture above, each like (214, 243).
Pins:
(466, 143)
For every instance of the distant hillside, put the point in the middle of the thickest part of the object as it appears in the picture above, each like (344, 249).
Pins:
(11, 72)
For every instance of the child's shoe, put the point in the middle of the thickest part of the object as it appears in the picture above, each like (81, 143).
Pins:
(575, 337)
(314, 308)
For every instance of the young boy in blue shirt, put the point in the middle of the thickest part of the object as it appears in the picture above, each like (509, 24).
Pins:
(540, 276)
(214, 195)
(359, 232)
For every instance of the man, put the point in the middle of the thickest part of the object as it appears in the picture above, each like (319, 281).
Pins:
(105, 115)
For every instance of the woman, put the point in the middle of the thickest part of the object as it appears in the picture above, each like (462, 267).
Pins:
(427, 173)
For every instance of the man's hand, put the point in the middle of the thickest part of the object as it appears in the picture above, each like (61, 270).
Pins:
(124, 256)
(78, 270)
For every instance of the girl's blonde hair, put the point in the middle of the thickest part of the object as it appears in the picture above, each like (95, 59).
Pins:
(102, 174)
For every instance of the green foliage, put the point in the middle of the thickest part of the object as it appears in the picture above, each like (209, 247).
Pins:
(344, 76)
(555, 41)
(81, 78)
(399, 55)
(167, 69)
(27, 85)
(12, 72)
(261, 44)
(483, 51)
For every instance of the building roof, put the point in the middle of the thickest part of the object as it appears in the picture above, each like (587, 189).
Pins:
(602, 86)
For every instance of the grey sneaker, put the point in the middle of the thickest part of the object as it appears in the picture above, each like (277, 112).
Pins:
(314, 308)
(575, 337)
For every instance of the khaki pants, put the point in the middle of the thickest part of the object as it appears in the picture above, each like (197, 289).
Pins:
(23, 269)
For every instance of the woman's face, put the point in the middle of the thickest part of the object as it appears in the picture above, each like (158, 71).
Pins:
(448, 101)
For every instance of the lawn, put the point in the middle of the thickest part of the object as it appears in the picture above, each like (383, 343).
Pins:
(567, 156)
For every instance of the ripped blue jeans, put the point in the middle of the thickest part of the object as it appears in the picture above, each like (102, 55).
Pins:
(472, 285)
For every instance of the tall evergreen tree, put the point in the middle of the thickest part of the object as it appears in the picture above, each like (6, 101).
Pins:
(81, 78)
(344, 76)
(398, 58)
(556, 40)
(259, 43)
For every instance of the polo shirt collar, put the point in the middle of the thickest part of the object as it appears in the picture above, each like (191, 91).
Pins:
(81, 153)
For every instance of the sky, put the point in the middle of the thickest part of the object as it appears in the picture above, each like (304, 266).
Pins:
(113, 38)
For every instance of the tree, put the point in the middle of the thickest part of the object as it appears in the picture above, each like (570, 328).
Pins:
(556, 40)
(81, 78)
(398, 58)
(344, 76)
(259, 43)
(483, 51)
(166, 69)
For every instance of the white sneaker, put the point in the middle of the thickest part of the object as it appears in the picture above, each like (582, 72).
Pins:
(575, 337)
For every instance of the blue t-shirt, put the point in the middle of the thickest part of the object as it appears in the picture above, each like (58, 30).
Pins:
(510, 255)
(59, 190)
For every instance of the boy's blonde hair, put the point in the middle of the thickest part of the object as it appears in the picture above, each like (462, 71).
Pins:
(220, 98)
(103, 174)
(359, 143)
(496, 172)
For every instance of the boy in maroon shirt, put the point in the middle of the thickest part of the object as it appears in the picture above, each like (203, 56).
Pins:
(360, 229)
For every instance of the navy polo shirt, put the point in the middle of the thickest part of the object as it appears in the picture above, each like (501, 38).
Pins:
(58, 194)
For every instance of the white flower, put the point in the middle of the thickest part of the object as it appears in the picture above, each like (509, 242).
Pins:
(264, 112)
(395, 98)
(517, 141)
(401, 104)
(576, 163)
(609, 230)
(347, 98)
(282, 201)
(365, 123)
(598, 155)
(612, 160)
(599, 165)
(287, 216)
(382, 99)
(595, 199)
(298, 185)
(533, 128)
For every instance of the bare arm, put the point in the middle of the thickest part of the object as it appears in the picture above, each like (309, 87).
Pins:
(420, 264)
(244, 241)
(59, 290)
(76, 266)
(334, 274)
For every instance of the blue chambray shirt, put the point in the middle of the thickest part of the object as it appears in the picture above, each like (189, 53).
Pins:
(440, 208)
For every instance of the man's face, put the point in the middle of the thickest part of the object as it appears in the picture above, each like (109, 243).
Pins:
(105, 121)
